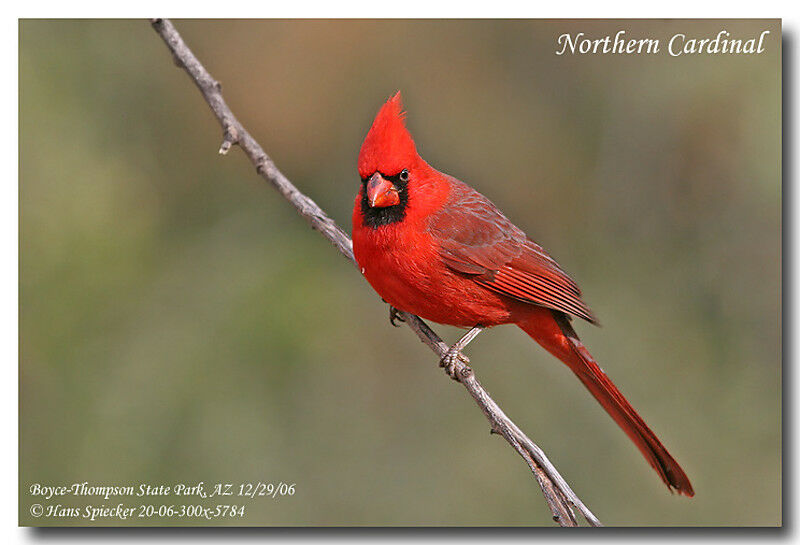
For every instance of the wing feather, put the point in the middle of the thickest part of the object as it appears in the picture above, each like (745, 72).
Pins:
(476, 239)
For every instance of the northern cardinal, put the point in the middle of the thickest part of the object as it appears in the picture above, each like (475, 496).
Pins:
(431, 245)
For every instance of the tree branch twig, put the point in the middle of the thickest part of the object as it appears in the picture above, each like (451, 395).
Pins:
(559, 496)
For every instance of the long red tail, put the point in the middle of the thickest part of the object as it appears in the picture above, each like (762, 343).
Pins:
(553, 331)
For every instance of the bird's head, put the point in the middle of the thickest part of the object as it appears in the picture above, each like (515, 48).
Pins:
(386, 163)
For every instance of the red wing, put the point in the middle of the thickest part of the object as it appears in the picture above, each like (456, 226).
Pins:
(475, 238)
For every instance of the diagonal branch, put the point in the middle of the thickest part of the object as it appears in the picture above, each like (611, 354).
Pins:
(559, 496)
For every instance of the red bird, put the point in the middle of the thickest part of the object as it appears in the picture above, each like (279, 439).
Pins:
(431, 245)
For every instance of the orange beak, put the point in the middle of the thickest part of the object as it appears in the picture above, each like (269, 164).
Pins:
(381, 192)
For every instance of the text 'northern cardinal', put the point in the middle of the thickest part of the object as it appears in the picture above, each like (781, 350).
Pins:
(432, 246)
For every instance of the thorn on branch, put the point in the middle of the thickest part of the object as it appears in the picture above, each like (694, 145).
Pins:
(229, 138)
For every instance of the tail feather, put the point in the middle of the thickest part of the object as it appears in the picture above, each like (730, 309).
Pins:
(559, 338)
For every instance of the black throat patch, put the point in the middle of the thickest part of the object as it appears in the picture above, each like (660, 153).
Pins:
(375, 217)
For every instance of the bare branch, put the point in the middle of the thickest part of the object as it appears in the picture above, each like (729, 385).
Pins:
(559, 496)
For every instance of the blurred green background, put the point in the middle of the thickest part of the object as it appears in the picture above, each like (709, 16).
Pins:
(180, 323)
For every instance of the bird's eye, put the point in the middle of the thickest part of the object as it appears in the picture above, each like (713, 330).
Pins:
(404, 175)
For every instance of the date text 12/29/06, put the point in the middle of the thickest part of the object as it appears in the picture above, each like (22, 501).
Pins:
(200, 490)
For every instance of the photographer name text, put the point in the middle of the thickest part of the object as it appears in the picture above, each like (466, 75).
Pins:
(679, 44)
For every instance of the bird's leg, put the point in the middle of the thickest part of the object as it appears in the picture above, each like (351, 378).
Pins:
(453, 354)
(394, 314)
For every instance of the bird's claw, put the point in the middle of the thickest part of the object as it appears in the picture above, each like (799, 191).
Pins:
(394, 315)
(448, 362)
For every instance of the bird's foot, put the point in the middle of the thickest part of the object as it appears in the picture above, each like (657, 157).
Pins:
(394, 315)
(454, 354)
(450, 359)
